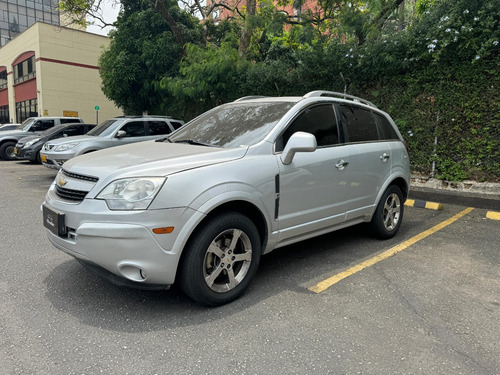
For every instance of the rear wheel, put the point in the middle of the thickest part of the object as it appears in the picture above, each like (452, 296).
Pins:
(7, 151)
(220, 259)
(389, 213)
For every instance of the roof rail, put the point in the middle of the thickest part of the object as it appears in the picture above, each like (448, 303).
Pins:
(339, 94)
(249, 98)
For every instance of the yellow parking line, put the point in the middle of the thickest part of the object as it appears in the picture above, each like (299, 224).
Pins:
(325, 284)
(493, 215)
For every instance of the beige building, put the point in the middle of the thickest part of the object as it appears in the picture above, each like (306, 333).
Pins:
(50, 70)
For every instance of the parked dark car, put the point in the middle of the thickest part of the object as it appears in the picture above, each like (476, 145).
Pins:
(30, 126)
(29, 147)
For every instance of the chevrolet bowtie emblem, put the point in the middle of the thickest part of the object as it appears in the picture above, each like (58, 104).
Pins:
(62, 182)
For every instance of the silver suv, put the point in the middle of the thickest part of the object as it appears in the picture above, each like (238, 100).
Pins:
(202, 205)
(110, 133)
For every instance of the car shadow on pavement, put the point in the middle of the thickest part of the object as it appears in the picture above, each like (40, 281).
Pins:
(96, 302)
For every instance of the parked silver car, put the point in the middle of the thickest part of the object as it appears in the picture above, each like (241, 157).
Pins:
(114, 132)
(201, 206)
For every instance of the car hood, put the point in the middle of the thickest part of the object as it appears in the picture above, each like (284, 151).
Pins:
(29, 138)
(74, 138)
(15, 133)
(149, 158)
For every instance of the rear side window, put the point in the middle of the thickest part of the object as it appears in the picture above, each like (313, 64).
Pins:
(385, 128)
(320, 121)
(134, 129)
(158, 128)
(359, 123)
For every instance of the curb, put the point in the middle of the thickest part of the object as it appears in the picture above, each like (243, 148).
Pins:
(423, 204)
(493, 215)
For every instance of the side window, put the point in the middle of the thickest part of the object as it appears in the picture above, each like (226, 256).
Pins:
(158, 128)
(68, 120)
(176, 124)
(320, 121)
(73, 130)
(359, 124)
(385, 128)
(134, 129)
(43, 125)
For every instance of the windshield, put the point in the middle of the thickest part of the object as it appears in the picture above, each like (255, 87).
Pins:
(26, 125)
(104, 128)
(233, 125)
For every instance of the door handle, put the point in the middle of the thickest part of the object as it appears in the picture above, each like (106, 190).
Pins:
(384, 157)
(341, 164)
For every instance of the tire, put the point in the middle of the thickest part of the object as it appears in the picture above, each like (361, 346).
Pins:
(7, 151)
(389, 213)
(220, 260)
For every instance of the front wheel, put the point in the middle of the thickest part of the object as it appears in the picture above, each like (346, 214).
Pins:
(389, 213)
(7, 151)
(220, 259)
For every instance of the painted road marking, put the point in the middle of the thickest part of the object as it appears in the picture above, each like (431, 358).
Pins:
(493, 215)
(325, 284)
(423, 204)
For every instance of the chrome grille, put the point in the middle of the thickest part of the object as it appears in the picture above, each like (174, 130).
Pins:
(79, 176)
(73, 187)
(70, 195)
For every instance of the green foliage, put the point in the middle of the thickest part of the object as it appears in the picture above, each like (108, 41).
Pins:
(434, 68)
(141, 51)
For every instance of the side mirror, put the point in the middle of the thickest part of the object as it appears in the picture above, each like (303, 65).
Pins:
(120, 134)
(298, 142)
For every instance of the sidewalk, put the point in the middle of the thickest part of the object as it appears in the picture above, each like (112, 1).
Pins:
(467, 193)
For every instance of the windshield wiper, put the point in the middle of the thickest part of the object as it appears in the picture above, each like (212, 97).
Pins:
(192, 142)
(164, 139)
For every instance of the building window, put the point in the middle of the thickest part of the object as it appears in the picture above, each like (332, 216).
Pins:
(28, 108)
(25, 70)
(3, 79)
(4, 114)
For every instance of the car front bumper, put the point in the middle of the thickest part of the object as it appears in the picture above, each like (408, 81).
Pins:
(55, 160)
(123, 242)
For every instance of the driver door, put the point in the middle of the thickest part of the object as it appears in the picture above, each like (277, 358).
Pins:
(312, 188)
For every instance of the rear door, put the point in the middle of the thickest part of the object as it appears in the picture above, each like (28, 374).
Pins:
(312, 189)
(370, 159)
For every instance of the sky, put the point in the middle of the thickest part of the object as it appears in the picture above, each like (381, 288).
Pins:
(110, 11)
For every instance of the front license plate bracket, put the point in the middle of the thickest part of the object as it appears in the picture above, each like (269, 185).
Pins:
(54, 221)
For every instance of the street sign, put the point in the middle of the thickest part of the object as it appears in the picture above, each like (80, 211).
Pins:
(96, 107)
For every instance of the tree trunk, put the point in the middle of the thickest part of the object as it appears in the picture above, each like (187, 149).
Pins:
(246, 33)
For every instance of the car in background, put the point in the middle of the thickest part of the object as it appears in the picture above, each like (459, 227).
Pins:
(30, 126)
(5, 127)
(28, 148)
(202, 205)
(110, 133)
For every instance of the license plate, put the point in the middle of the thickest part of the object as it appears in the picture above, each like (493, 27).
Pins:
(44, 158)
(54, 221)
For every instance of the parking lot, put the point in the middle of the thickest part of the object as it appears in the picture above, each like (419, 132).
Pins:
(424, 302)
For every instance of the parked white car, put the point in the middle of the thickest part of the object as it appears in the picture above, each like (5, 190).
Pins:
(201, 206)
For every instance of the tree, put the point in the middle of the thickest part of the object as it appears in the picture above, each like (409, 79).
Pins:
(142, 50)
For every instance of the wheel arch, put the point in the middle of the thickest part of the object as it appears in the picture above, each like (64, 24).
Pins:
(245, 208)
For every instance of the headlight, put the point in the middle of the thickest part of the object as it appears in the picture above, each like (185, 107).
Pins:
(131, 193)
(66, 146)
(31, 143)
